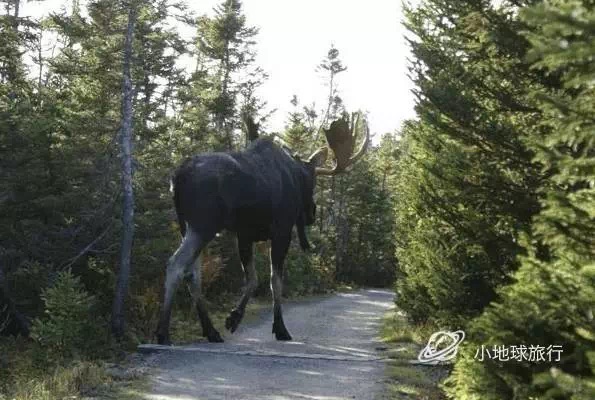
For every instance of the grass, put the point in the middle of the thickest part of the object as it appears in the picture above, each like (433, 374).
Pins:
(29, 372)
(409, 381)
(61, 382)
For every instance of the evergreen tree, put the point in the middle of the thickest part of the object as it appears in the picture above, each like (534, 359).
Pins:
(225, 45)
(553, 297)
(467, 184)
(298, 136)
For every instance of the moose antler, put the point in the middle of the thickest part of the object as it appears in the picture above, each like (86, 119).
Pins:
(341, 140)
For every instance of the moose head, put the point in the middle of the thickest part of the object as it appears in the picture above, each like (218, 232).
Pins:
(340, 138)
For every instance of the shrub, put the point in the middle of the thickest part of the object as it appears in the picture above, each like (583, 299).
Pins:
(66, 326)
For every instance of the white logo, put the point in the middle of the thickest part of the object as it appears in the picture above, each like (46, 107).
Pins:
(442, 346)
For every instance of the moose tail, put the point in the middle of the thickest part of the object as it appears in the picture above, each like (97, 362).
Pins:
(181, 221)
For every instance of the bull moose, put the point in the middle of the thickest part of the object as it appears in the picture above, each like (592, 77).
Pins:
(260, 194)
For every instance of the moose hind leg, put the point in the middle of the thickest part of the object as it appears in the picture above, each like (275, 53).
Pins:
(278, 251)
(246, 250)
(208, 330)
(177, 264)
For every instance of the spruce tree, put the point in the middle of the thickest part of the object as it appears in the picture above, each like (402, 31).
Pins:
(468, 184)
(553, 297)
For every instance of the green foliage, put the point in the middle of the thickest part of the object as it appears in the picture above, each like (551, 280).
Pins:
(67, 327)
(307, 272)
(27, 379)
(226, 77)
(404, 342)
(496, 191)
(553, 297)
(547, 305)
(466, 184)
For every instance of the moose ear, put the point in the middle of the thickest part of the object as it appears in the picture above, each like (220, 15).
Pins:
(318, 158)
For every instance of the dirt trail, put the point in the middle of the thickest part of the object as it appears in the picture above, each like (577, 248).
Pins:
(335, 355)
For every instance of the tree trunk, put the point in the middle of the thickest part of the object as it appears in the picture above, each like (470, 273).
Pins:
(225, 125)
(128, 194)
(341, 229)
(321, 206)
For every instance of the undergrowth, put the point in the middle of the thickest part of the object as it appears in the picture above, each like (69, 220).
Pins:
(409, 380)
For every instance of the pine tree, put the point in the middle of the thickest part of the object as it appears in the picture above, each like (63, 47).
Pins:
(225, 44)
(467, 185)
(553, 297)
(298, 136)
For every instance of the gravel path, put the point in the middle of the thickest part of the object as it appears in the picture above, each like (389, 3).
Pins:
(334, 355)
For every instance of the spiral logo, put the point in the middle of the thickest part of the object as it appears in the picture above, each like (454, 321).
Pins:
(442, 346)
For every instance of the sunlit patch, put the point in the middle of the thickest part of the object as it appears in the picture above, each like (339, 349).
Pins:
(305, 372)
(362, 313)
(167, 397)
(349, 317)
(382, 304)
(220, 386)
(353, 349)
(349, 295)
(312, 397)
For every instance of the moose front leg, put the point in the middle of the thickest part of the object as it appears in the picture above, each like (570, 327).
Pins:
(279, 247)
(246, 250)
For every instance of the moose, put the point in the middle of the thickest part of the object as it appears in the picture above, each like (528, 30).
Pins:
(259, 194)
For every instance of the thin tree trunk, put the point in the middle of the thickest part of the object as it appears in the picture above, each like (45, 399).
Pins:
(321, 186)
(341, 228)
(17, 5)
(147, 86)
(40, 55)
(225, 126)
(118, 317)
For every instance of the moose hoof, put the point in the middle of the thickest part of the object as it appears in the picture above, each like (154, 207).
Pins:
(283, 336)
(233, 320)
(281, 333)
(214, 337)
(163, 340)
